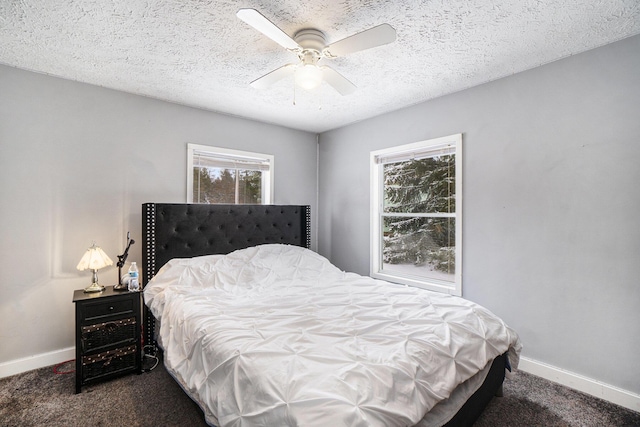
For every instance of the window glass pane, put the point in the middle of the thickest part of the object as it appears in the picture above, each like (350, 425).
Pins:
(419, 246)
(424, 185)
(222, 185)
(249, 187)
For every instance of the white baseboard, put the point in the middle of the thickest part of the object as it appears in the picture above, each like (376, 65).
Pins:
(578, 382)
(18, 366)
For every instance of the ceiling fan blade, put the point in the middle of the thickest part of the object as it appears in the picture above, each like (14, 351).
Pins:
(272, 77)
(337, 80)
(376, 36)
(266, 27)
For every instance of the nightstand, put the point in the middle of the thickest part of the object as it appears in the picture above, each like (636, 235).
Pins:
(108, 335)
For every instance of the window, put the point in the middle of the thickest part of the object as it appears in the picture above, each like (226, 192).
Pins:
(416, 214)
(221, 175)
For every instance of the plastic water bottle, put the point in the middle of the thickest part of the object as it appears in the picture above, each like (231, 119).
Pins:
(134, 285)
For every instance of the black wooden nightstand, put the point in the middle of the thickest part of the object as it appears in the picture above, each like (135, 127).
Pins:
(108, 335)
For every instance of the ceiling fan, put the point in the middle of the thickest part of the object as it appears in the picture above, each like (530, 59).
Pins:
(311, 47)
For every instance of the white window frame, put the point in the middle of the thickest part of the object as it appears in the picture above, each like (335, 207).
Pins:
(408, 151)
(240, 157)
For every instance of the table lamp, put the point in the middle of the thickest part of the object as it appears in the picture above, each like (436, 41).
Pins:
(94, 259)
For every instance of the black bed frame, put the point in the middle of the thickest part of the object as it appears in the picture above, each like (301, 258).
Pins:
(172, 230)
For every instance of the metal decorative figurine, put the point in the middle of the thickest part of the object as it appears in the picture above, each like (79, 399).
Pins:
(121, 260)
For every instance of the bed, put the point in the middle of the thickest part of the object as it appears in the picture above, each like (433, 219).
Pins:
(260, 330)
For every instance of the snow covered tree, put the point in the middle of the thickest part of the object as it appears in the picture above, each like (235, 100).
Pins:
(420, 186)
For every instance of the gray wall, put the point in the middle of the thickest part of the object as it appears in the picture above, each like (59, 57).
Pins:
(551, 201)
(76, 163)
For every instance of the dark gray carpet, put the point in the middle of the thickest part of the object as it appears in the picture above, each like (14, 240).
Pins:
(532, 401)
(43, 398)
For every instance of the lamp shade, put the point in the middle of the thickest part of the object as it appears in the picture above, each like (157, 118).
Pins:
(93, 259)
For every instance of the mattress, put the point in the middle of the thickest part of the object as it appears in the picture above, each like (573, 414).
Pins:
(277, 335)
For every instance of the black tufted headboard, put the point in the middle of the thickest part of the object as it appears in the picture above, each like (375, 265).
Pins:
(190, 230)
(172, 230)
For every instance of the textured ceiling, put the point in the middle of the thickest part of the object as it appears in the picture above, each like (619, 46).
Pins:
(198, 53)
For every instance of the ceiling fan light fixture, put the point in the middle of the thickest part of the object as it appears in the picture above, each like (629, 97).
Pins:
(311, 46)
(308, 76)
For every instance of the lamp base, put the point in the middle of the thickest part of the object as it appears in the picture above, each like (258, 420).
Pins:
(94, 287)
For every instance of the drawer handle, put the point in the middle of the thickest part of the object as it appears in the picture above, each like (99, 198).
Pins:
(111, 308)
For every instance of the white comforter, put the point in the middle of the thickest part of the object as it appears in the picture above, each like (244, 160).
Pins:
(275, 335)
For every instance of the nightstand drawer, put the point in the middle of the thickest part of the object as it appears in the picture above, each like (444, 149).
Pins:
(105, 334)
(109, 362)
(112, 308)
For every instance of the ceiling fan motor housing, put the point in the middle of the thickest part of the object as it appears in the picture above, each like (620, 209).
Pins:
(310, 39)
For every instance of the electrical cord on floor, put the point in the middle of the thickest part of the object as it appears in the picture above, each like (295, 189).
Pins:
(150, 351)
(56, 368)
